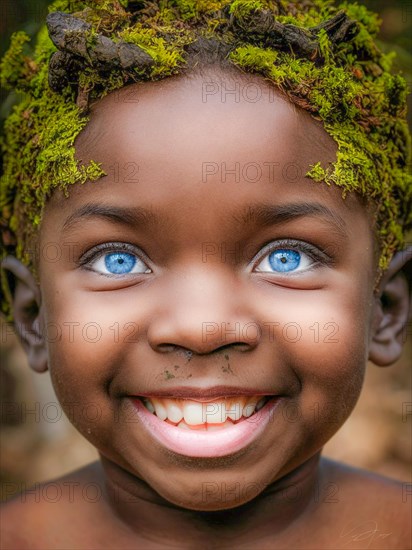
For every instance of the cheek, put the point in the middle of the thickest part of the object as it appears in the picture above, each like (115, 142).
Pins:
(88, 335)
(322, 337)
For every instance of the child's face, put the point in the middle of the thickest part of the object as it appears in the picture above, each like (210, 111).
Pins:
(210, 282)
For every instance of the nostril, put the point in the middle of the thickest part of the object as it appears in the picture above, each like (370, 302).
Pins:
(188, 354)
(166, 348)
(235, 346)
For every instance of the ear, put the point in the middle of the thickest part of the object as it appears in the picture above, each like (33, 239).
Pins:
(392, 311)
(27, 313)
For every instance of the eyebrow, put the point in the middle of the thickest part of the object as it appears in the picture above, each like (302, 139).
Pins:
(268, 214)
(259, 214)
(135, 216)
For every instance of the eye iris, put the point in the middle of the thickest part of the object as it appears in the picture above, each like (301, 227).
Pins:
(284, 260)
(119, 262)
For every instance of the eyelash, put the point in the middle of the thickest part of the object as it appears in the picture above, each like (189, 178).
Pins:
(319, 256)
(98, 251)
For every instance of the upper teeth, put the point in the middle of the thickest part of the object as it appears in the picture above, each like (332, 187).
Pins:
(195, 412)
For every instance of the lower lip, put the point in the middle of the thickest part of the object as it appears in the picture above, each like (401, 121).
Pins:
(207, 444)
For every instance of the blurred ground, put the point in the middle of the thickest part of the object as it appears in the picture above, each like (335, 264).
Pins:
(38, 443)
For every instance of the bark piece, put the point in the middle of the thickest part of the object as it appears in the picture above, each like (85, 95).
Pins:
(303, 42)
(68, 33)
(73, 36)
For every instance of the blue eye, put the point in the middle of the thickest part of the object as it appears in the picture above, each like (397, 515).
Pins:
(112, 259)
(284, 260)
(287, 260)
(119, 263)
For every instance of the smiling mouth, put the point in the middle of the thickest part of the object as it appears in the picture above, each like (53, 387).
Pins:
(217, 414)
(217, 427)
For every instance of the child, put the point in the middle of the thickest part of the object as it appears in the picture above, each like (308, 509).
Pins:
(226, 185)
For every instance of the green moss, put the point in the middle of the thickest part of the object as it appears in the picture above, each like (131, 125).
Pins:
(167, 55)
(325, 46)
(242, 8)
(69, 6)
(187, 8)
(253, 57)
(198, 9)
(14, 68)
(38, 150)
(370, 21)
(39, 141)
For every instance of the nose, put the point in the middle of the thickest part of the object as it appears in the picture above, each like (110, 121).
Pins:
(202, 313)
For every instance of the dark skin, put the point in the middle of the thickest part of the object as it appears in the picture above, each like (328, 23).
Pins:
(150, 496)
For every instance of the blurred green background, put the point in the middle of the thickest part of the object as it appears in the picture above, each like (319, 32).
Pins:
(38, 444)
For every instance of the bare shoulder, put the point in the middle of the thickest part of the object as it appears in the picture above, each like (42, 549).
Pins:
(44, 515)
(369, 506)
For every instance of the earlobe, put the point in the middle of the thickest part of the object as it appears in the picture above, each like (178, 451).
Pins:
(392, 311)
(27, 312)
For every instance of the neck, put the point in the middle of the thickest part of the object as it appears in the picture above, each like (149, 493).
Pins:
(145, 512)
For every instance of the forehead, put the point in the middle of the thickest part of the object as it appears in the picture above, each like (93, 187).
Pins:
(223, 114)
(209, 143)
